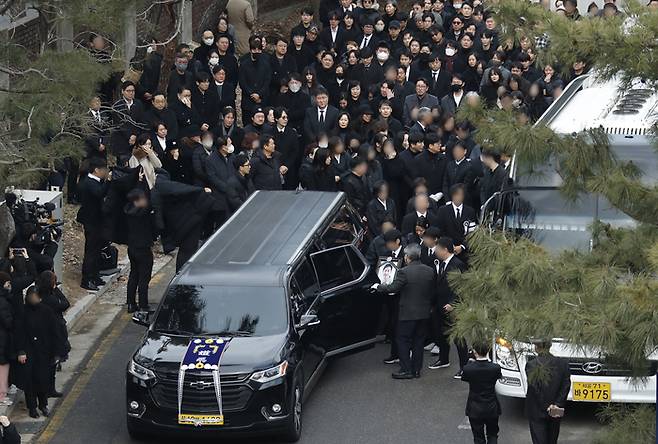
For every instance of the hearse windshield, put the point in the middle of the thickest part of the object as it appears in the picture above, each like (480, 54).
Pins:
(212, 310)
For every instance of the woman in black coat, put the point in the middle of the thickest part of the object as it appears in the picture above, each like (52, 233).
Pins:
(39, 351)
(189, 121)
(322, 177)
(6, 329)
(397, 177)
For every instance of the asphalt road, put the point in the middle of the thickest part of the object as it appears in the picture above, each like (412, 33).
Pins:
(355, 401)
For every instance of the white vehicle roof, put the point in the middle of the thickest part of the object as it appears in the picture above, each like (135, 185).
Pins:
(589, 102)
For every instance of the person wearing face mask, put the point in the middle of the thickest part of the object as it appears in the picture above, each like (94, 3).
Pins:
(451, 102)
(255, 78)
(383, 54)
(179, 76)
(219, 167)
(39, 348)
(295, 101)
(202, 52)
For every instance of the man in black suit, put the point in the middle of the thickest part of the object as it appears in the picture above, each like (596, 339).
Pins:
(482, 406)
(438, 78)
(423, 121)
(445, 299)
(456, 219)
(414, 283)
(320, 118)
(333, 36)
(428, 245)
(225, 89)
(91, 191)
(127, 113)
(421, 209)
(393, 245)
(368, 38)
(460, 170)
(549, 382)
(451, 102)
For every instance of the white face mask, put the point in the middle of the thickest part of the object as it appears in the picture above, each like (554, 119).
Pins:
(456, 5)
(209, 41)
(450, 52)
(382, 56)
(230, 148)
(207, 143)
(323, 144)
(214, 60)
(295, 87)
(379, 28)
(149, 50)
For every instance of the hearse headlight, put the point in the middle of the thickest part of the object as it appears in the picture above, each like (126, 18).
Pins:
(140, 372)
(505, 356)
(270, 374)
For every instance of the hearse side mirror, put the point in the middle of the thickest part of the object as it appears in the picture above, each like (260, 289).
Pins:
(141, 318)
(306, 321)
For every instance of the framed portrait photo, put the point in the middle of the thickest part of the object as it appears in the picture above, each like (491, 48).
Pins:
(387, 268)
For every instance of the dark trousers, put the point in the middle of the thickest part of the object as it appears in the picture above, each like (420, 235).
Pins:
(478, 428)
(72, 173)
(188, 246)
(35, 398)
(141, 267)
(393, 306)
(544, 431)
(92, 256)
(445, 324)
(410, 339)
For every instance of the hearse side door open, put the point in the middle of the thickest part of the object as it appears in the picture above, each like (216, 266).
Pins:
(347, 310)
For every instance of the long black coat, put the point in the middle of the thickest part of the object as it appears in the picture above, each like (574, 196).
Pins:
(255, 77)
(432, 167)
(55, 299)
(91, 193)
(188, 118)
(166, 116)
(287, 143)
(40, 341)
(219, 170)
(239, 189)
(6, 326)
(375, 213)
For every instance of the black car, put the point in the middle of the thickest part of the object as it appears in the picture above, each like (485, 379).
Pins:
(282, 287)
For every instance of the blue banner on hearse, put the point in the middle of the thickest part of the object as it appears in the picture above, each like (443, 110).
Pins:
(202, 354)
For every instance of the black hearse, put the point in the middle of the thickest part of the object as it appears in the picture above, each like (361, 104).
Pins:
(285, 283)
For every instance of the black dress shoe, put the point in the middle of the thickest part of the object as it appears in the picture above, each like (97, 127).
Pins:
(132, 308)
(98, 281)
(89, 286)
(417, 375)
(402, 375)
(391, 360)
(34, 413)
(55, 394)
(45, 412)
(439, 364)
(458, 375)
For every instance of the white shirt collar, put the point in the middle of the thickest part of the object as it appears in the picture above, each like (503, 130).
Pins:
(383, 202)
(96, 178)
(455, 207)
(397, 252)
(421, 214)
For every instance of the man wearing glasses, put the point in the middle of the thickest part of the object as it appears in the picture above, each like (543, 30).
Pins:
(128, 114)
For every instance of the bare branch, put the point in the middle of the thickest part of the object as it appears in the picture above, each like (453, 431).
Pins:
(4, 7)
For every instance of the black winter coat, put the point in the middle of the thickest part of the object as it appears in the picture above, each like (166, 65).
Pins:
(6, 326)
(55, 299)
(265, 172)
(40, 341)
(239, 189)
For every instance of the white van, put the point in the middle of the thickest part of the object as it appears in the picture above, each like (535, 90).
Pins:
(627, 115)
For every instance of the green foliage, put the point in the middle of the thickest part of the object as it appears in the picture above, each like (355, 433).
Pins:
(628, 425)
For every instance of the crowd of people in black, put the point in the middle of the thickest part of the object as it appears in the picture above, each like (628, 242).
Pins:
(361, 98)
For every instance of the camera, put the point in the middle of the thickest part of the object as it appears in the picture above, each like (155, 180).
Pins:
(34, 222)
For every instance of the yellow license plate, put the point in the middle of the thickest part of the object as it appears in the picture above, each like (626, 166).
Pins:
(591, 391)
(200, 420)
